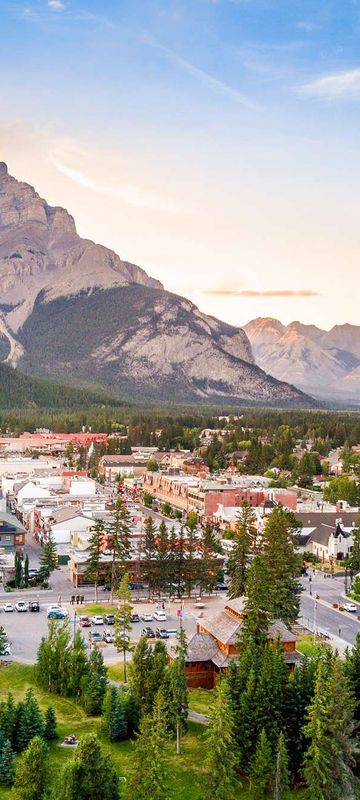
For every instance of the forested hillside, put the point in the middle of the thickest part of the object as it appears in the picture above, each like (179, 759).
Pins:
(18, 390)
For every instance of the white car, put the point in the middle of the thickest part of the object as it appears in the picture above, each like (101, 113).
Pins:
(160, 616)
(147, 617)
(21, 606)
(97, 620)
(108, 637)
(8, 607)
(350, 607)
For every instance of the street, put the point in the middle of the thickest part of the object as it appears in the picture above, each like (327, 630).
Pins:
(341, 626)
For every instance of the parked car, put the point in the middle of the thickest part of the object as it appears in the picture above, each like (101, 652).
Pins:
(97, 620)
(7, 650)
(57, 613)
(84, 622)
(134, 586)
(34, 605)
(350, 607)
(147, 617)
(108, 637)
(135, 618)
(148, 632)
(107, 587)
(160, 616)
(161, 633)
(21, 606)
(221, 586)
(109, 619)
(8, 607)
(34, 573)
(95, 637)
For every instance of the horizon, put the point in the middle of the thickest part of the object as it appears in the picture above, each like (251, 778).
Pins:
(213, 143)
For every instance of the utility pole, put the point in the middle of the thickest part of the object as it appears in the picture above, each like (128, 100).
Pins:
(315, 620)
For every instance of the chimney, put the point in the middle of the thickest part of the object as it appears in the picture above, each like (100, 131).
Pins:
(197, 627)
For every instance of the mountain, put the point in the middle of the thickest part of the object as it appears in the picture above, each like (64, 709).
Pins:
(324, 363)
(73, 310)
(18, 391)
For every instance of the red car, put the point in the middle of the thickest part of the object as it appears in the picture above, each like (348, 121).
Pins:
(84, 622)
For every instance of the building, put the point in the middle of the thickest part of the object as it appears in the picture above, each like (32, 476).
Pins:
(327, 535)
(216, 642)
(12, 532)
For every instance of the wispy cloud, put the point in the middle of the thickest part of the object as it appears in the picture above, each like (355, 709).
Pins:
(208, 80)
(56, 5)
(267, 293)
(133, 195)
(335, 85)
(307, 25)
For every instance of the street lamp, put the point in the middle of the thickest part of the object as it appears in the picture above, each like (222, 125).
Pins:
(310, 585)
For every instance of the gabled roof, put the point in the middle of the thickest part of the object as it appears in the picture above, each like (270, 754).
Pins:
(10, 523)
(66, 513)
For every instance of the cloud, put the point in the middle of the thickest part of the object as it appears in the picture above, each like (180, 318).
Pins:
(340, 84)
(215, 84)
(307, 26)
(56, 5)
(267, 293)
(133, 195)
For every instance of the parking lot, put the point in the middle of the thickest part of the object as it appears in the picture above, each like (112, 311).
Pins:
(25, 630)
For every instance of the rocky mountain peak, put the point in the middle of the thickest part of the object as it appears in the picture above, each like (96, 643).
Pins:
(3, 169)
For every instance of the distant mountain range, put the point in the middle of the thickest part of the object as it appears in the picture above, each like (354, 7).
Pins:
(324, 363)
(73, 310)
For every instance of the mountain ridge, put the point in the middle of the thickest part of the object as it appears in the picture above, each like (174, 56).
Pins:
(73, 308)
(324, 363)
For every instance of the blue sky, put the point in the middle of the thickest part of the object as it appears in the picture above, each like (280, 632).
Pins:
(215, 142)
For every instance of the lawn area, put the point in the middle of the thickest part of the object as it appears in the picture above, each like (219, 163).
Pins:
(116, 671)
(186, 771)
(200, 700)
(93, 609)
(306, 644)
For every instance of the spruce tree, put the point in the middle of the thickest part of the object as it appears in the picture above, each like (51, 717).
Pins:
(78, 665)
(341, 707)
(26, 571)
(262, 770)
(179, 691)
(139, 674)
(317, 771)
(93, 564)
(118, 531)
(7, 763)
(53, 661)
(299, 691)
(122, 626)
(48, 557)
(192, 568)
(281, 778)
(90, 774)
(256, 611)
(50, 732)
(238, 562)
(3, 641)
(7, 717)
(114, 715)
(32, 772)
(355, 553)
(221, 780)
(352, 672)
(149, 548)
(149, 776)
(209, 547)
(33, 716)
(93, 684)
(269, 697)
(161, 576)
(282, 565)
(18, 569)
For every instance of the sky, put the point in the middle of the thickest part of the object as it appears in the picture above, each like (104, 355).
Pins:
(213, 142)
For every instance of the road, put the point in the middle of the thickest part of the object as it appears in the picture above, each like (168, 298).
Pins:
(341, 626)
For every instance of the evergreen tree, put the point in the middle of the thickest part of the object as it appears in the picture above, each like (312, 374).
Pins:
(161, 576)
(33, 718)
(3, 641)
(93, 684)
(122, 625)
(148, 777)
(192, 569)
(282, 565)
(179, 691)
(269, 697)
(50, 732)
(256, 611)
(78, 665)
(7, 763)
(93, 566)
(352, 672)
(114, 714)
(341, 707)
(26, 571)
(18, 569)
(48, 557)
(118, 531)
(90, 772)
(149, 554)
(299, 691)
(355, 553)
(32, 772)
(238, 561)
(262, 770)
(221, 760)
(207, 567)
(139, 674)
(281, 779)
(8, 717)
(52, 667)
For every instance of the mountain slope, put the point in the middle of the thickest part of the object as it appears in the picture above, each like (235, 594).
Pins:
(18, 390)
(323, 363)
(72, 309)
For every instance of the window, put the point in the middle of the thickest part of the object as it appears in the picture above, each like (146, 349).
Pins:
(8, 538)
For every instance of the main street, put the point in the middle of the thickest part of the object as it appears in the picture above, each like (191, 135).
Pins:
(319, 615)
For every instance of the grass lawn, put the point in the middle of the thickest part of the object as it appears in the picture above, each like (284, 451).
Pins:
(200, 700)
(93, 609)
(306, 644)
(187, 770)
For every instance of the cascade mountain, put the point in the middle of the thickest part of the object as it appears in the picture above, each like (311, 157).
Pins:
(72, 310)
